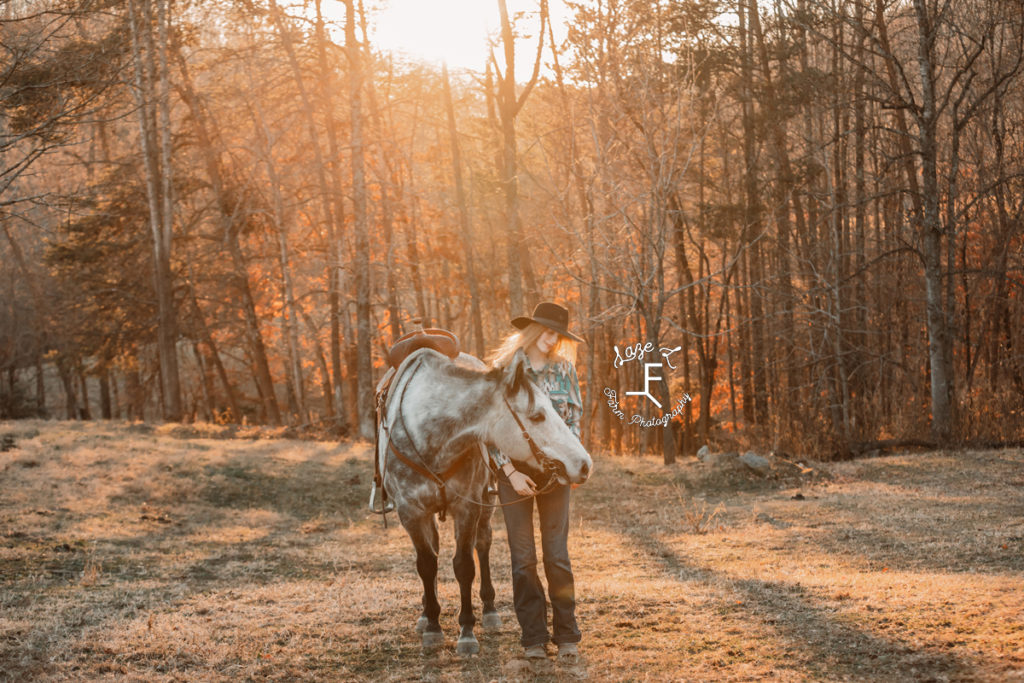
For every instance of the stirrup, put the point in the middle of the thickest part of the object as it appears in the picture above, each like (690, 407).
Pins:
(386, 506)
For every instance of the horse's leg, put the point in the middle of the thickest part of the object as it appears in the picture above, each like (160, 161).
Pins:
(491, 620)
(466, 519)
(423, 532)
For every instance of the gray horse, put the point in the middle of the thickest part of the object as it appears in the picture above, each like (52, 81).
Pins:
(437, 416)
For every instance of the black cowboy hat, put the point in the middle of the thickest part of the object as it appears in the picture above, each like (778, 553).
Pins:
(551, 316)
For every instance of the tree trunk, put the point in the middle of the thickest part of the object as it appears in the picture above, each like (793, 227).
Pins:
(136, 409)
(388, 184)
(860, 200)
(105, 412)
(932, 232)
(520, 269)
(152, 93)
(336, 400)
(464, 226)
(289, 311)
(755, 393)
(205, 385)
(998, 334)
(40, 385)
(321, 359)
(364, 330)
(85, 412)
(782, 196)
(214, 357)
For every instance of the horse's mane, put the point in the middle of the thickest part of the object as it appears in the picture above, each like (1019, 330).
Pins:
(454, 369)
(457, 370)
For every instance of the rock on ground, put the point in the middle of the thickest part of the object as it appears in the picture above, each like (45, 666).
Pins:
(760, 465)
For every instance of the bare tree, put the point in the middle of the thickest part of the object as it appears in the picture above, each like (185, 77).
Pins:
(464, 226)
(509, 105)
(152, 92)
(364, 331)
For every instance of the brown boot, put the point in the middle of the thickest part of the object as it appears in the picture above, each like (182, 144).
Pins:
(568, 653)
(535, 652)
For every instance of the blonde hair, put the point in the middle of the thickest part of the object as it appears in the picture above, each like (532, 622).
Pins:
(563, 350)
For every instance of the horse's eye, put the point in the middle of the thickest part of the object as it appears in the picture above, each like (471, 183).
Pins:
(537, 417)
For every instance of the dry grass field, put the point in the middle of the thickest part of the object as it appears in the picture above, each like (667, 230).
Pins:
(167, 554)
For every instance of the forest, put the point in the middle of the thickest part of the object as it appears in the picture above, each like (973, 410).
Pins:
(226, 211)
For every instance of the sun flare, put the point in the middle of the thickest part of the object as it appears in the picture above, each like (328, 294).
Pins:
(454, 32)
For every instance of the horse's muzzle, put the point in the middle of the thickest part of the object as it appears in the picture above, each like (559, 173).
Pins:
(584, 472)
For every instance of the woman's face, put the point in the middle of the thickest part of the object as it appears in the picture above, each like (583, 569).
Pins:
(547, 341)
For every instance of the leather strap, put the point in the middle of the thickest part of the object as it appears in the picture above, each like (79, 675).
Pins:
(441, 480)
(534, 448)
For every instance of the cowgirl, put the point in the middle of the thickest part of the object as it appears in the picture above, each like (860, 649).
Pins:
(551, 350)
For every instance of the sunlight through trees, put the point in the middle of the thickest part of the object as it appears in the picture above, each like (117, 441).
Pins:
(226, 211)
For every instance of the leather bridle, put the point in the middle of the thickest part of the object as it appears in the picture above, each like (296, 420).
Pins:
(551, 467)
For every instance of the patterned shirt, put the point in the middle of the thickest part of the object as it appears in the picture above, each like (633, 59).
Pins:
(558, 380)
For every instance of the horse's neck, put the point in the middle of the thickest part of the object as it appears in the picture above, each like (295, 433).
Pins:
(452, 409)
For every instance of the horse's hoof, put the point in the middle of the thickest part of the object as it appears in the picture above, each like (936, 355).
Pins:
(466, 646)
(421, 624)
(432, 640)
(491, 621)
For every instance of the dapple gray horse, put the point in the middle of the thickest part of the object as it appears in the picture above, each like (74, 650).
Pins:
(437, 416)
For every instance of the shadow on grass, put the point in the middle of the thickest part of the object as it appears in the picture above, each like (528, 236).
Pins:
(947, 514)
(103, 581)
(824, 646)
(303, 491)
(946, 549)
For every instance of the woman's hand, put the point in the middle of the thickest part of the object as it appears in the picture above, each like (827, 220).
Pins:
(522, 484)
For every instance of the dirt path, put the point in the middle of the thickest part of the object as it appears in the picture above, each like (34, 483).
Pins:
(128, 553)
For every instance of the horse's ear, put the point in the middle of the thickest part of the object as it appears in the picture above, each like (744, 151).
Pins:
(515, 375)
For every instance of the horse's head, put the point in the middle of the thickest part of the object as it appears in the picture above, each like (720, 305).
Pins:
(528, 429)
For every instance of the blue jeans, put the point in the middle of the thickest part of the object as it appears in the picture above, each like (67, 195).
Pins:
(527, 591)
